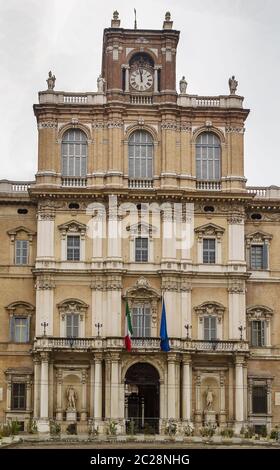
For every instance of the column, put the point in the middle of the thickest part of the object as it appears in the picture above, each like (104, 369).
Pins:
(236, 253)
(186, 308)
(113, 235)
(45, 236)
(222, 399)
(51, 385)
(171, 407)
(43, 423)
(44, 303)
(37, 374)
(59, 410)
(156, 79)
(187, 388)
(115, 385)
(237, 309)
(239, 393)
(84, 396)
(98, 386)
(198, 398)
(126, 67)
(28, 394)
(168, 235)
(9, 394)
(91, 390)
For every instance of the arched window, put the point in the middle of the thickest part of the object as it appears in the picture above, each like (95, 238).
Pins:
(74, 153)
(208, 156)
(140, 155)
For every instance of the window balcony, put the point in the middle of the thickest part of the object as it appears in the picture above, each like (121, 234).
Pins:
(140, 184)
(225, 346)
(208, 185)
(73, 182)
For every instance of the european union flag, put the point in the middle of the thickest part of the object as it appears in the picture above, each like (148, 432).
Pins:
(164, 340)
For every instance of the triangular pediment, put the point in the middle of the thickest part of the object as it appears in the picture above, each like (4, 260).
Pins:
(209, 229)
(21, 228)
(73, 226)
(259, 235)
(141, 228)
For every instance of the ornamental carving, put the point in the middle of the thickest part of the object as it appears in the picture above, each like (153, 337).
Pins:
(74, 306)
(185, 286)
(236, 287)
(170, 284)
(142, 292)
(47, 125)
(114, 283)
(259, 312)
(45, 283)
(235, 219)
(46, 215)
(141, 228)
(72, 227)
(258, 237)
(107, 125)
(235, 130)
(98, 283)
(210, 308)
(20, 308)
(173, 126)
(209, 230)
(115, 124)
(13, 233)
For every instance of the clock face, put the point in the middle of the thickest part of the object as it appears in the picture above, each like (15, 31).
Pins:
(141, 79)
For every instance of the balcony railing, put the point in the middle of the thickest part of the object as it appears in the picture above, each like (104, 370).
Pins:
(15, 186)
(144, 344)
(73, 182)
(208, 185)
(267, 192)
(140, 99)
(216, 345)
(140, 184)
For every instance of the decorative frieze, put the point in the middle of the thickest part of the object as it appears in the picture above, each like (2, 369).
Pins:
(174, 126)
(47, 125)
(107, 125)
(235, 130)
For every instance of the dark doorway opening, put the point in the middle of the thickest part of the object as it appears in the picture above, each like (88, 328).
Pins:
(142, 399)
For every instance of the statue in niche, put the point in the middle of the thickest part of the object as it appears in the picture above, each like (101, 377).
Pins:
(71, 398)
(209, 399)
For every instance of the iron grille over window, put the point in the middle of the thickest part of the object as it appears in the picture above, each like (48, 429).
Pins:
(208, 157)
(141, 250)
(258, 256)
(21, 252)
(209, 250)
(73, 248)
(259, 399)
(74, 153)
(140, 155)
(18, 396)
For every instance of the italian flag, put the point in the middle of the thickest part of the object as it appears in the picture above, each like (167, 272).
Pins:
(129, 331)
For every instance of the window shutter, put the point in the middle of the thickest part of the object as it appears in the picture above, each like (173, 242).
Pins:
(213, 328)
(68, 326)
(12, 328)
(27, 337)
(265, 256)
(262, 333)
(75, 326)
(206, 328)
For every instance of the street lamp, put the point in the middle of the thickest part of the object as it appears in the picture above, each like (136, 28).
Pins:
(44, 325)
(188, 328)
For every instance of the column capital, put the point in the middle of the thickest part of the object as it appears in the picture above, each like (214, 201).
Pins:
(114, 356)
(45, 356)
(172, 357)
(186, 359)
(240, 360)
(98, 356)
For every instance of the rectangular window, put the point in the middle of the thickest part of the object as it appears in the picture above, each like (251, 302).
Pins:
(18, 396)
(72, 325)
(209, 250)
(73, 248)
(141, 321)
(21, 330)
(258, 333)
(21, 247)
(141, 250)
(259, 399)
(210, 328)
(258, 256)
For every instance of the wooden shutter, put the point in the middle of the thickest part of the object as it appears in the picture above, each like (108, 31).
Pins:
(265, 256)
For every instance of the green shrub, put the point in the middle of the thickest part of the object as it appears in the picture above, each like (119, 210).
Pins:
(274, 433)
(5, 430)
(247, 432)
(55, 428)
(32, 426)
(207, 430)
(227, 432)
(112, 428)
(171, 428)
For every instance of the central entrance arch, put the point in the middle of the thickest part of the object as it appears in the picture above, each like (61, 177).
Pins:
(142, 394)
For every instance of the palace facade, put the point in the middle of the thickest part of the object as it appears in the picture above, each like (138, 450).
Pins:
(140, 194)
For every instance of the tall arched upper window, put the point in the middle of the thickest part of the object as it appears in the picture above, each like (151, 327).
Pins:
(140, 155)
(74, 153)
(208, 156)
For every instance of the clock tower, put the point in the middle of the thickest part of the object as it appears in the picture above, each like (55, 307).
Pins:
(139, 65)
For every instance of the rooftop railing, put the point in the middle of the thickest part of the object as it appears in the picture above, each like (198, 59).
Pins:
(7, 186)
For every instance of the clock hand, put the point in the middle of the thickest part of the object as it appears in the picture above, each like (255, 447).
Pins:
(141, 74)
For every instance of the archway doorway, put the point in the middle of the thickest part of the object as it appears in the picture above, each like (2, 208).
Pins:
(142, 399)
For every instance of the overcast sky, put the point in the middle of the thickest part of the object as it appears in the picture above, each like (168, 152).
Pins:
(218, 38)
